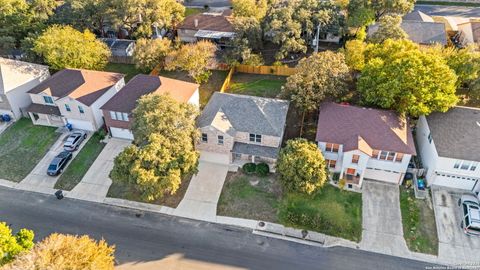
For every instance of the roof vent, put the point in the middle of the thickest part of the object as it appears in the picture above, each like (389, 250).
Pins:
(196, 22)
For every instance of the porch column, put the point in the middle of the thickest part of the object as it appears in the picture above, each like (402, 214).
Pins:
(48, 119)
(253, 159)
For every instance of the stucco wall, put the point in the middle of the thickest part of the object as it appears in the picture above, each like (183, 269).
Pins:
(187, 35)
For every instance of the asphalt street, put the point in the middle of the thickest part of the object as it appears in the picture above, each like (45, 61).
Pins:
(454, 11)
(146, 240)
(210, 3)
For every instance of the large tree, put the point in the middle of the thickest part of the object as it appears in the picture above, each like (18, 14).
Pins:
(301, 166)
(247, 42)
(317, 77)
(389, 27)
(398, 75)
(195, 58)
(250, 8)
(11, 245)
(149, 53)
(64, 47)
(355, 54)
(163, 151)
(59, 251)
(91, 14)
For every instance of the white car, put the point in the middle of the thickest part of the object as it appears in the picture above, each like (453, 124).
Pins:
(74, 140)
(470, 214)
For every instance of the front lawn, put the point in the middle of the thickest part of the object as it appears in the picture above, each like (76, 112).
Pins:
(419, 229)
(256, 85)
(128, 192)
(193, 11)
(22, 146)
(250, 197)
(81, 163)
(128, 69)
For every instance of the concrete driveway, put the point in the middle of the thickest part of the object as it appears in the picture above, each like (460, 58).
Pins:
(95, 183)
(200, 200)
(37, 179)
(382, 219)
(454, 246)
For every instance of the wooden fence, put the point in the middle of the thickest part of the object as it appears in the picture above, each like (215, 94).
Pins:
(226, 83)
(266, 70)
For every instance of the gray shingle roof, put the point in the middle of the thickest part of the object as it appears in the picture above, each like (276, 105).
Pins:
(420, 32)
(250, 114)
(456, 133)
(255, 150)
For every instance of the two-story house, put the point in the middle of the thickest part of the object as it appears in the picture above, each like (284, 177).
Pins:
(236, 129)
(73, 96)
(216, 27)
(16, 79)
(449, 146)
(363, 143)
(118, 110)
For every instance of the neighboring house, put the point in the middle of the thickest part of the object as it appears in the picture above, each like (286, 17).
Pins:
(118, 110)
(236, 129)
(449, 146)
(363, 143)
(16, 79)
(73, 96)
(469, 32)
(216, 27)
(420, 28)
(120, 47)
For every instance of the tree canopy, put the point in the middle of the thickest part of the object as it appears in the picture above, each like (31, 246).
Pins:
(250, 8)
(389, 27)
(13, 244)
(149, 53)
(163, 150)
(301, 166)
(64, 47)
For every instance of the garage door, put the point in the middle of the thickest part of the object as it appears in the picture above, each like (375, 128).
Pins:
(382, 175)
(453, 181)
(215, 157)
(121, 133)
(80, 124)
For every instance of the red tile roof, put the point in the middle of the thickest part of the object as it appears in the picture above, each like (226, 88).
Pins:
(365, 129)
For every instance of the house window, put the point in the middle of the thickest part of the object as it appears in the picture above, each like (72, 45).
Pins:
(430, 138)
(457, 164)
(474, 166)
(220, 139)
(80, 109)
(125, 116)
(204, 137)
(113, 115)
(465, 165)
(331, 163)
(67, 107)
(48, 100)
(375, 154)
(383, 155)
(391, 156)
(350, 171)
(332, 147)
(255, 138)
(355, 159)
(399, 157)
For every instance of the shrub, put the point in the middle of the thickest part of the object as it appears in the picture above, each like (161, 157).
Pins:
(341, 184)
(262, 169)
(335, 177)
(249, 168)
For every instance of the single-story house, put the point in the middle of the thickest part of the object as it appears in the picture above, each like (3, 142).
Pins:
(449, 147)
(73, 96)
(236, 129)
(363, 143)
(214, 26)
(420, 28)
(16, 79)
(120, 47)
(117, 112)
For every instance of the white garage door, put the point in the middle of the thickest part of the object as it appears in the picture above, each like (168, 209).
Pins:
(80, 124)
(121, 133)
(453, 181)
(381, 175)
(215, 157)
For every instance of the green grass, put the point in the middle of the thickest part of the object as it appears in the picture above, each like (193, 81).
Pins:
(22, 146)
(192, 11)
(128, 69)
(330, 211)
(256, 85)
(241, 199)
(81, 163)
(448, 3)
(419, 229)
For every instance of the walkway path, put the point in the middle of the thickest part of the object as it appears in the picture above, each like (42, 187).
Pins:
(96, 182)
(200, 200)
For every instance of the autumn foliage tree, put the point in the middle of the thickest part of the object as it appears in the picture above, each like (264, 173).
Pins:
(163, 150)
(149, 53)
(12, 245)
(64, 47)
(301, 166)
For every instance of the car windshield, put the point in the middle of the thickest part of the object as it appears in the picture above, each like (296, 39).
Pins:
(71, 139)
(52, 167)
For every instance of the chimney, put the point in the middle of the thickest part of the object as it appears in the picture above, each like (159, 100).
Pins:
(196, 22)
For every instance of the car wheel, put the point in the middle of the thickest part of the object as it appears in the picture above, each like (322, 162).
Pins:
(459, 202)
(76, 148)
(85, 136)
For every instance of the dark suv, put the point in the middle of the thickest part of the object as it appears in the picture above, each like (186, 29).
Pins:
(58, 163)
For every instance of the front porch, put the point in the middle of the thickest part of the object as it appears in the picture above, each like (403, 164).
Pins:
(45, 115)
(243, 153)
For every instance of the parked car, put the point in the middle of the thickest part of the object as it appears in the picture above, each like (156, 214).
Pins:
(470, 214)
(74, 140)
(58, 163)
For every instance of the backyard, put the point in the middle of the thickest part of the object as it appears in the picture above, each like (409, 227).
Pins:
(256, 85)
(129, 70)
(330, 210)
(22, 146)
(418, 219)
(81, 163)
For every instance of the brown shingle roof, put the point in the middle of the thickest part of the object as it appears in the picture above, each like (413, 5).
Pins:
(126, 99)
(86, 86)
(44, 109)
(209, 21)
(364, 129)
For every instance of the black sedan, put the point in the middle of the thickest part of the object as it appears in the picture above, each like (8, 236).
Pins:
(58, 163)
